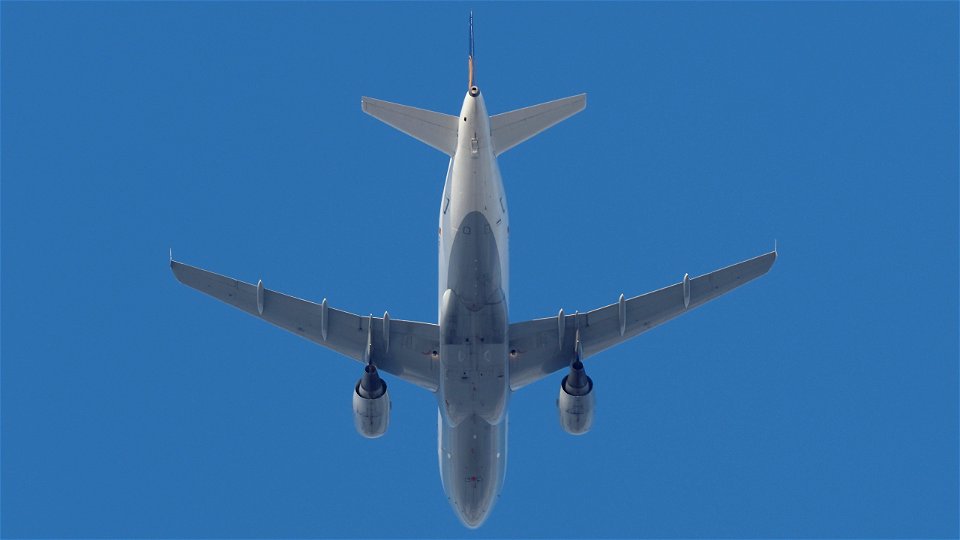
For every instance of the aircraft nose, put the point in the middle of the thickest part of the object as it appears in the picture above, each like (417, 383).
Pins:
(473, 506)
(472, 516)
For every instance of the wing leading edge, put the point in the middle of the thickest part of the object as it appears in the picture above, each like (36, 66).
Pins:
(543, 346)
(406, 349)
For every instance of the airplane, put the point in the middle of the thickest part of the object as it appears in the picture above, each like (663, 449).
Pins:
(473, 357)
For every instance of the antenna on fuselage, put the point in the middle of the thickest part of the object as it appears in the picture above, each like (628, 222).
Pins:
(471, 62)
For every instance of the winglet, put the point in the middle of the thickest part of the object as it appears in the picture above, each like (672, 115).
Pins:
(774, 245)
(171, 256)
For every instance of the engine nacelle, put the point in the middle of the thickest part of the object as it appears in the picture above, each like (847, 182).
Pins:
(575, 402)
(371, 404)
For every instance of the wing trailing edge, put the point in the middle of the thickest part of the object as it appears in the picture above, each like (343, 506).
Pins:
(543, 346)
(406, 349)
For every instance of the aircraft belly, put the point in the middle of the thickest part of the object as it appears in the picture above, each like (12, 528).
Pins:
(473, 347)
(474, 382)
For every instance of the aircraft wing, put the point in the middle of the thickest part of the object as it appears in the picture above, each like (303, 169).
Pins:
(543, 346)
(406, 349)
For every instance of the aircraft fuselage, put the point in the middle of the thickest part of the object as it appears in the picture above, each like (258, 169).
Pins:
(473, 296)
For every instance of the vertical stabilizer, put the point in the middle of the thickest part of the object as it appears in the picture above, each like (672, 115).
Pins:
(471, 67)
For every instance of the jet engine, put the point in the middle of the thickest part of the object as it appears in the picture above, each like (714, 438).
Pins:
(575, 402)
(371, 404)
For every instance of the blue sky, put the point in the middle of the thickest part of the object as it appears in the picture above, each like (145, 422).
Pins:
(819, 401)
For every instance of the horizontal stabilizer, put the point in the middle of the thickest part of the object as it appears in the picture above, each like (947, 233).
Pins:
(512, 128)
(435, 129)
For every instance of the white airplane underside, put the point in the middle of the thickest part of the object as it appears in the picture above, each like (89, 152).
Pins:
(473, 358)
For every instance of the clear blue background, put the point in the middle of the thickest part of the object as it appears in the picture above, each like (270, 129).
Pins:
(820, 400)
